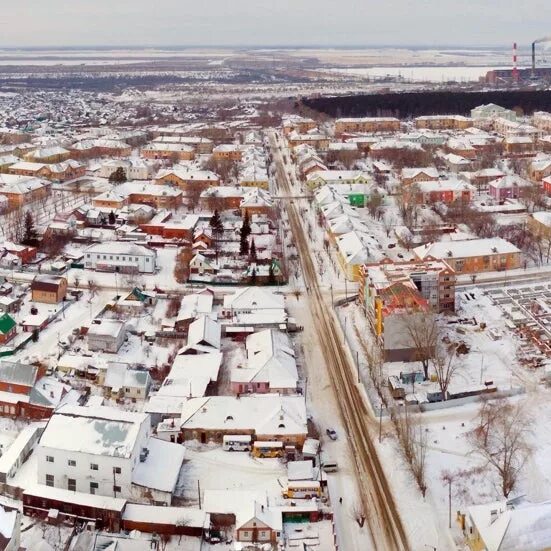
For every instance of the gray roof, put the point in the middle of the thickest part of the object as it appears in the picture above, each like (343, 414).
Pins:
(18, 373)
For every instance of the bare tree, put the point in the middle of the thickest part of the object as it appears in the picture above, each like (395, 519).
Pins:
(93, 288)
(358, 514)
(421, 333)
(501, 438)
(413, 446)
(445, 363)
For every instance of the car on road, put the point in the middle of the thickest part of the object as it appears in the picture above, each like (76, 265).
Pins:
(332, 434)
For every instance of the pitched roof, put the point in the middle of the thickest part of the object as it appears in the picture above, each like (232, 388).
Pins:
(7, 323)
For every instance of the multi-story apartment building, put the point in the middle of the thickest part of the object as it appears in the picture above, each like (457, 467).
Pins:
(542, 121)
(366, 124)
(392, 294)
(472, 256)
(443, 122)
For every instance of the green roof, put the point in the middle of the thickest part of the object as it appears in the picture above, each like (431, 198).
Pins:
(7, 323)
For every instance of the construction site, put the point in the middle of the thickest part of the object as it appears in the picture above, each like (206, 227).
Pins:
(527, 310)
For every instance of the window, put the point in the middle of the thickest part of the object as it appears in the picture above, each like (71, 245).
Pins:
(93, 487)
(50, 480)
(72, 463)
(147, 259)
(245, 534)
(71, 485)
(111, 257)
(94, 466)
(49, 459)
(116, 489)
(117, 470)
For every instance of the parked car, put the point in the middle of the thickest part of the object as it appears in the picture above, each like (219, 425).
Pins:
(332, 434)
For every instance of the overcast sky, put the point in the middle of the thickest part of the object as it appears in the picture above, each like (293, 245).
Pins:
(272, 22)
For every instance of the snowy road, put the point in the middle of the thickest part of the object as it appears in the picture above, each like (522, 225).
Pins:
(376, 498)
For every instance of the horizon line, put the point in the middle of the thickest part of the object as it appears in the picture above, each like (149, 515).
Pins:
(252, 46)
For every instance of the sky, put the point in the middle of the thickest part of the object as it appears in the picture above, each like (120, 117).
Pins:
(272, 22)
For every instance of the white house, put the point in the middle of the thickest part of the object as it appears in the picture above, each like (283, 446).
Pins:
(92, 450)
(134, 168)
(120, 257)
(106, 335)
(254, 306)
(110, 452)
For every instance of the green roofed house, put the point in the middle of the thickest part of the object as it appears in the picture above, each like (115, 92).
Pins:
(8, 328)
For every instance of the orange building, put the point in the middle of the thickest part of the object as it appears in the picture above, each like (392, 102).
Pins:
(232, 152)
(188, 180)
(366, 125)
(443, 122)
(168, 151)
(472, 256)
(21, 190)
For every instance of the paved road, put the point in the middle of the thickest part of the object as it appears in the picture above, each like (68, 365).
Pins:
(377, 499)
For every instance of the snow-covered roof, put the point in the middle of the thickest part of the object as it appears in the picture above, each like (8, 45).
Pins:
(120, 247)
(173, 516)
(466, 248)
(266, 414)
(8, 520)
(543, 217)
(78, 498)
(357, 248)
(119, 375)
(191, 374)
(270, 358)
(444, 185)
(254, 298)
(107, 328)
(161, 467)
(204, 330)
(337, 175)
(510, 527)
(409, 173)
(101, 430)
(194, 305)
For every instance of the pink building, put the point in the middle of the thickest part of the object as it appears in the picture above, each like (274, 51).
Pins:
(508, 187)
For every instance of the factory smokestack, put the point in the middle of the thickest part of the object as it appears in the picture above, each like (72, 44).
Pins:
(538, 41)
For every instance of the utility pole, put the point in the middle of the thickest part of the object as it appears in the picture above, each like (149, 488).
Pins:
(199, 492)
(358, 364)
(114, 482)
(380, 422)
(449, 502)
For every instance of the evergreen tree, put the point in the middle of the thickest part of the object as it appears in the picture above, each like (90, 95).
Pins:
(112, 218)
(246, 227)
(118, 176)
(216, 223)
(30, 234)
(271, 274)
(252, 251)
(243, 246)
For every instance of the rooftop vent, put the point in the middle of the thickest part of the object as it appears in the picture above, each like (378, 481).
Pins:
(143, 455)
